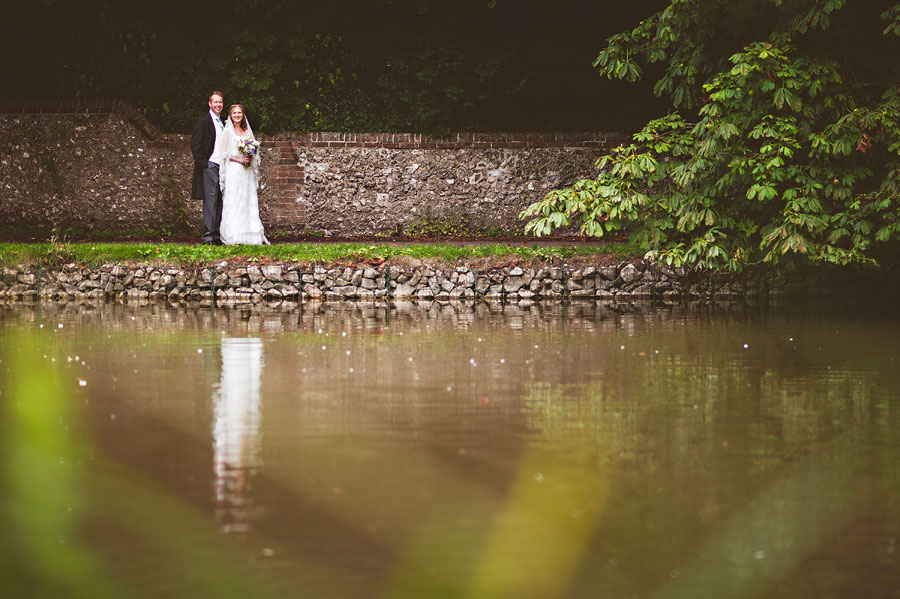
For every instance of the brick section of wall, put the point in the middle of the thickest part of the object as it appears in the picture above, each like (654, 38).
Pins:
(285, 177)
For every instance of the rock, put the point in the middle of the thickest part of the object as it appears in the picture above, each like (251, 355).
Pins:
(513, 283)
(403, 290)
(272, 272)
(629, 273)
(610, 273)
(482, 283)
(312, 290)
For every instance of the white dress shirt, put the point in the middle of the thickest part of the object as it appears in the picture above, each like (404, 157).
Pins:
(216, 157)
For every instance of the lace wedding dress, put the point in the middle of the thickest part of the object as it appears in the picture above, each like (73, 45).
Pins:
(240, 204)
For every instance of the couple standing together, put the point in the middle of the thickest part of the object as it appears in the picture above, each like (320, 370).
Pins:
(225, 178)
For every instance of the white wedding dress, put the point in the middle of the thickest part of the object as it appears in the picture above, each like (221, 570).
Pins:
(240, 204)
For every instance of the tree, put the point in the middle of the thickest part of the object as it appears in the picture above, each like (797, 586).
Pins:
(783, 142)
(356, 66)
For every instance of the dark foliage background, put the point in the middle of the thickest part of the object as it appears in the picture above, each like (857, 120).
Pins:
(378, 65)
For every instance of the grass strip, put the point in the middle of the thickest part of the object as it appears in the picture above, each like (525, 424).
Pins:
(92, 254)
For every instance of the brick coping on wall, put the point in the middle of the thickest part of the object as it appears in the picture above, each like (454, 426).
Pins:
(322, 139)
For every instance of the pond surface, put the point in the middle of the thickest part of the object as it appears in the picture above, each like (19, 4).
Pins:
(449, 451)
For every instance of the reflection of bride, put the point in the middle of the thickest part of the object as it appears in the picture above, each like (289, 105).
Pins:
(236, 434)
(239, 178)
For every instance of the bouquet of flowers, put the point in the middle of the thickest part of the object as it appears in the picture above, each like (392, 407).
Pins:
(248, 147)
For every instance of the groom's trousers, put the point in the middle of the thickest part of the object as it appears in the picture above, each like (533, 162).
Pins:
(212, 204)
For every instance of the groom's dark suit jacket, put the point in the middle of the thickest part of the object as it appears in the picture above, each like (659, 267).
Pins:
(202, 141)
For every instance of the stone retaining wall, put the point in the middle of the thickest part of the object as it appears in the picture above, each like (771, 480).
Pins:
(86, 165)
(296, 283)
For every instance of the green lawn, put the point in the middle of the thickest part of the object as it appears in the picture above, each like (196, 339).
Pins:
(89, 254)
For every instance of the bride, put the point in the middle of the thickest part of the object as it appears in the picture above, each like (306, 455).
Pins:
(239, 179)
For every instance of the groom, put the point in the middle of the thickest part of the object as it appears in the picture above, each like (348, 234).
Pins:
(205, 184)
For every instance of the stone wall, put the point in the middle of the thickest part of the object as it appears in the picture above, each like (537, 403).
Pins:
(97, 166)
(102, 166)
(294, 283)
(368, 190)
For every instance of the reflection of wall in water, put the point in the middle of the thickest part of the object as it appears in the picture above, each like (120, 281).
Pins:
(236, 434)
(154, 318)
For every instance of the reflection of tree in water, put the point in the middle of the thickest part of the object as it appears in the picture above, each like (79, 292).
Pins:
(236, 433)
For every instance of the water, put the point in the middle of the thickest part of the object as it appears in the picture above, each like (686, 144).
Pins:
(449, 451)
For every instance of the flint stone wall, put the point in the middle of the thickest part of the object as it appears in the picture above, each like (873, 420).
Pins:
(104, 169)
(383, 190)
(100, 165)
(295, 283)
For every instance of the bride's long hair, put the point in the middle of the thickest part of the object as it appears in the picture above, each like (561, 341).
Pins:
(224, 146)
(243, 112)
